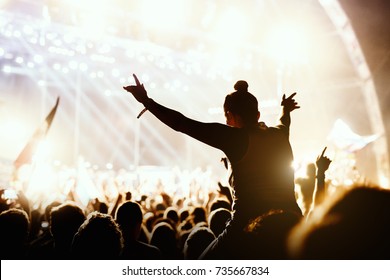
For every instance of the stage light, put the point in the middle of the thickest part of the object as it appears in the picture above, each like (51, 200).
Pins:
(164, 15)
(41, 83)
(232, 27)
(43, 151)
(28, 30)
(38, 58)
(145, 78)
(94, 21)
(13, 133)
(17, 34)
(83, 66)
(6, 69)
(288, 43)
(19, 60)
(73, 64)
(56, 66)
(81, 49)
(115, 72)
(2, 52)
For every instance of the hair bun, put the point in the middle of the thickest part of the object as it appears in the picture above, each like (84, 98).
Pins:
(241, 86)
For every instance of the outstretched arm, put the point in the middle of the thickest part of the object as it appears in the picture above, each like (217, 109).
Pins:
(213, 134)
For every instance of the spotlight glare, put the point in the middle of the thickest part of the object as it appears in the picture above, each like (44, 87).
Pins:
(115, 73)
(165, 15)
(288, 43)
(19, 60)
(38, 58)
(226, 27)
(83, 67)
(56, 66)
(73, 64)
(6, 69)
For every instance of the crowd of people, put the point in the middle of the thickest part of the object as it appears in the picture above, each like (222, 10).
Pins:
(263, 212)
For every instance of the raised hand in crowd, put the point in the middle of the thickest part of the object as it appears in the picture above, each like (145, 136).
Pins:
(288, 104)
(138, 91)
(322, 164)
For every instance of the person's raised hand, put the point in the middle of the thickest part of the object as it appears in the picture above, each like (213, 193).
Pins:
(137, 90)
(289, 103)
(323, 162)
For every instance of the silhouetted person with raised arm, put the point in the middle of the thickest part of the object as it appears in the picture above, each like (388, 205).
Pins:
(306, 186)
(322, 164)
(260, 156)
(129, 217)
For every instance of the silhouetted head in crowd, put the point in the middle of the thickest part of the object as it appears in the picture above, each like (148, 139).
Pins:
(14, 231)
(129, 217)
(183, 214)
(241, 107)
(171, 213)
(218, 220)
(220, 203)
(48, 209)
(198, 215)
(197, 241)
(149, 219)
(103, 208)
(269, 234)
(164, 237)
(160, 207)
(354, 224)
(99, 237)
(65, 221)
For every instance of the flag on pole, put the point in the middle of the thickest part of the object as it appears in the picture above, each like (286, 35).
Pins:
(26, 155)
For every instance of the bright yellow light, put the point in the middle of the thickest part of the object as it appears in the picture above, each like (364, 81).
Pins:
(164, 14)
(14, 128)
(3, 2)
(384, 181)
(93, 16)
(232, 27)
(14, 134)
(41, 183)
(43, 151)
(288, 43)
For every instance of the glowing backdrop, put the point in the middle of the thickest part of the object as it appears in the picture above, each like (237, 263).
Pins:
(188, 54)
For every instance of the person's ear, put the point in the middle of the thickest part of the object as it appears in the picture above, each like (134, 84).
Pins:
(258, 115)
(228, 116)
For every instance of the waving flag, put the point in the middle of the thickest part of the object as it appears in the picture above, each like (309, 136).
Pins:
(26, 155)
(345, 139)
